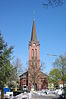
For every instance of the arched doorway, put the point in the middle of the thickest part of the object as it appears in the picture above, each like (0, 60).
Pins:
(35, 86)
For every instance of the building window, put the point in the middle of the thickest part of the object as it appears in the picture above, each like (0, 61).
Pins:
(35, 56)
(35, 52)
(32, 56)
(32, 52)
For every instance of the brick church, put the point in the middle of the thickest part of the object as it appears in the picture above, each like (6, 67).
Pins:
(34, 77)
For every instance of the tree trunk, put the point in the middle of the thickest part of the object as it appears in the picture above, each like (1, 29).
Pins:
(2, 93)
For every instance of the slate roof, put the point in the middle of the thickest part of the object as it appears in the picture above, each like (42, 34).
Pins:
(25, 73)
(41, 73)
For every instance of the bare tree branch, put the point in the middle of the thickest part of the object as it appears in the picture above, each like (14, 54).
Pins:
(53, 3)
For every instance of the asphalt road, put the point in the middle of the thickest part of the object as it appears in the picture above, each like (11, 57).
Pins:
(34, 96)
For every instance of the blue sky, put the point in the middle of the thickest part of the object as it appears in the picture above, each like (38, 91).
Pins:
(16, 19)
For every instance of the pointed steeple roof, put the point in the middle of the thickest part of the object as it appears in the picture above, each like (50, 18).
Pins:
(33, 34)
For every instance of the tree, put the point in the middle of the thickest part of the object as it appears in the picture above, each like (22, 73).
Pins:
(60, 63)
(53, 3)
(42, 65)
(18, 66)
(54, 77)
(6, 69)
(35, 72)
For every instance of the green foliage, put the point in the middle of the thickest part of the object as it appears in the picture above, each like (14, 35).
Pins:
(60, 63)
(6, 69)
(54, 77)
(64, 76)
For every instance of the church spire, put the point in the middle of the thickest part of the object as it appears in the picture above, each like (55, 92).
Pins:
(33, 34)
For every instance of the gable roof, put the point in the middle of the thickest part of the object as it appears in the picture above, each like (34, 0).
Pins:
(25, 73)
(43, 74)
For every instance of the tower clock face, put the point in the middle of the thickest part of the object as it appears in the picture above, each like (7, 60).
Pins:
(34, 44)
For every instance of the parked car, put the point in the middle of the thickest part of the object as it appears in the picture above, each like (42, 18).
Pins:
(8, 95)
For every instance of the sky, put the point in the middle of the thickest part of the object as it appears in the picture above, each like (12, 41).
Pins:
(16, 19)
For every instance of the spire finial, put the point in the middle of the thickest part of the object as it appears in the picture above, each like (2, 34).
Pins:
(33, 15)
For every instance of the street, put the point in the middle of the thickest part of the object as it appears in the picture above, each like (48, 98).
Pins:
(51, 96)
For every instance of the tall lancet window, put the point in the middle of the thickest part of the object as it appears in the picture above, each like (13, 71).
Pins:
(36, 53)
(32, 56)
(32, 53)
(36, 56)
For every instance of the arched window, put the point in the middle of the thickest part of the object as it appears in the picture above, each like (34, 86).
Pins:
(35, 56)
(35, 52)
(32, 56)
(32, 53)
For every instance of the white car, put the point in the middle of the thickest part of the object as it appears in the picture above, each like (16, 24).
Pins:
(8, 95)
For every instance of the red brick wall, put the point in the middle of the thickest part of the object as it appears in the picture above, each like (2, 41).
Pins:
(34, 47)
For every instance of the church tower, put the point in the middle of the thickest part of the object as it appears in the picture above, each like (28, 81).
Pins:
(34, 59)
(34, 77)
